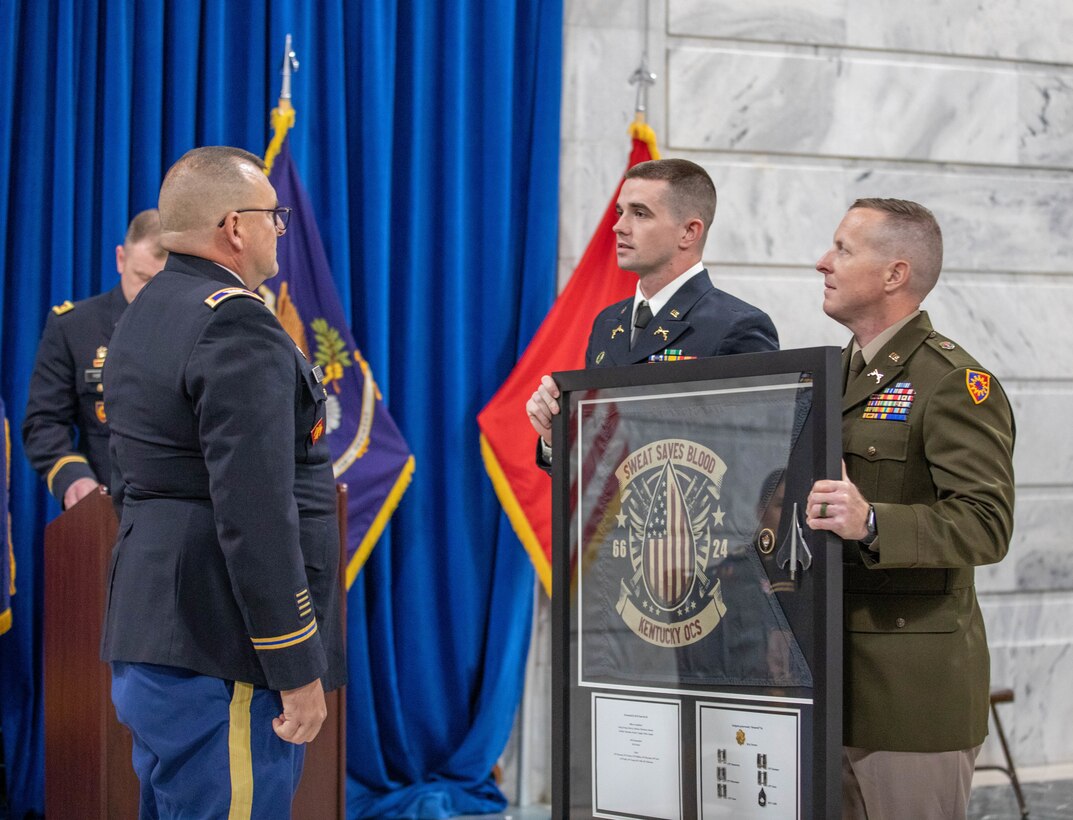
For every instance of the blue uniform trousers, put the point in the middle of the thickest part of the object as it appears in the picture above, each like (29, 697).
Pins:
(204, 747)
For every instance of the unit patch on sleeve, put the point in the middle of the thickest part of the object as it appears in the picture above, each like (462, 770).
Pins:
(979, 385)
(893, 404)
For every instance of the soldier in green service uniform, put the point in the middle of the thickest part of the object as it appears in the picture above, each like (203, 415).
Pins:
(926, 495)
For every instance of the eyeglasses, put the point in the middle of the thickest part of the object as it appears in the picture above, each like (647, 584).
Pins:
(281, 216)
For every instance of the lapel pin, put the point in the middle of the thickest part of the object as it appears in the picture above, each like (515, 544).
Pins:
(675, 314)
(895, 357)
(877, 374)
(617, 330)
(662, 332)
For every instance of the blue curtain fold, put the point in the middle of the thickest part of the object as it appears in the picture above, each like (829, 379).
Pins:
(427, 136)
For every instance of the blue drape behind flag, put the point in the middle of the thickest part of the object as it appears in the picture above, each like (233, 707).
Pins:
(427, 139)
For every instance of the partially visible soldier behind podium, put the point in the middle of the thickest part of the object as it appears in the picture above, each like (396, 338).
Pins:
(222, 624)
(66, 390)
(926, 496)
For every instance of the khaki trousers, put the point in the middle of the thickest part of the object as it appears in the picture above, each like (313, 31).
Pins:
(906, 785)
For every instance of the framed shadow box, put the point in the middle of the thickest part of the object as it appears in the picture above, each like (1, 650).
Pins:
(696, 619)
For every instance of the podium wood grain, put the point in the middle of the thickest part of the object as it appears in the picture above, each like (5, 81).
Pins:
(88, 771)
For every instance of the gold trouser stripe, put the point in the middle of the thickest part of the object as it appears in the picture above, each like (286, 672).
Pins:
(238, 747)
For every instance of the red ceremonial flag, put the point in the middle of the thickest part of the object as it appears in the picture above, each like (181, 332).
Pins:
(508, 442)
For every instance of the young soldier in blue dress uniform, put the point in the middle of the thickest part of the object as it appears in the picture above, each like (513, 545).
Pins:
(665, 209)
(222, 623)
(66, 389)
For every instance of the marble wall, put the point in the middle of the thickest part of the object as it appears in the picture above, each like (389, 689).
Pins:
(796, 108)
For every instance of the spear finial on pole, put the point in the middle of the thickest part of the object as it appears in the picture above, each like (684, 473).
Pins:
(643, 78)
(283, 114)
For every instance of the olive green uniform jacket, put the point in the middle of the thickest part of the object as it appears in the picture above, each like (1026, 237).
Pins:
(916, 660)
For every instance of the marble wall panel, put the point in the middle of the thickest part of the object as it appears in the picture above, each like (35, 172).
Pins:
(1037, 30)
(597, 96)
(1039, 559)
(1018, 330)
(834, 105)
(781, 21)
(1044, 451)
(1046, 118)
(1032, 653)
(786, 213)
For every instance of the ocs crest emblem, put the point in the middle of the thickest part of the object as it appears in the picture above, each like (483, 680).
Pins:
(668, 534)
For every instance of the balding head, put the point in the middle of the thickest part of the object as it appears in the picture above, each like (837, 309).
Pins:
(909, 231)
(203, 186)
(217, 203)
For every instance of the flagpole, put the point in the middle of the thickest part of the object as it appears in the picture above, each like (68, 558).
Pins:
(283, 114)
(643, 78)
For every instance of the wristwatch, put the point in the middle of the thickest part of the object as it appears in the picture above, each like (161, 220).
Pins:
(870, 524)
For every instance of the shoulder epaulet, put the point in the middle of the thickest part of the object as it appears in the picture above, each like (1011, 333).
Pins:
(66, 307)
(952, 352)
(222, 295)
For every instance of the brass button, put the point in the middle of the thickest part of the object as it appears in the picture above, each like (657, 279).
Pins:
(871, 451)
(900, 623)
(100, 388)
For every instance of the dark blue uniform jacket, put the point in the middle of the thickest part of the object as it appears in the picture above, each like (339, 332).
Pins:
(227, 557)
(67, 394)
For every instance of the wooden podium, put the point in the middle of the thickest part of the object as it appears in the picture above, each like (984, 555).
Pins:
(88, 771)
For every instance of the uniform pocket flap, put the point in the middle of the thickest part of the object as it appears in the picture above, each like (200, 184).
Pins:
(901, 613)
(877, 440)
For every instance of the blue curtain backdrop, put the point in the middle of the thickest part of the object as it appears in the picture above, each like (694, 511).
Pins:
(427, 136)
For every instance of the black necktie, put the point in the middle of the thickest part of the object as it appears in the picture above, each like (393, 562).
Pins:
(640, 320)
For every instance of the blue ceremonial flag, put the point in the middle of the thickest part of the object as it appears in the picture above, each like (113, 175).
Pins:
(7, 570)
(370, 455)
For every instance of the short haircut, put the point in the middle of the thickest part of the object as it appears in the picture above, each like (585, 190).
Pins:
(203, 185)
(910, 231)
(692, 190)
(145, 227)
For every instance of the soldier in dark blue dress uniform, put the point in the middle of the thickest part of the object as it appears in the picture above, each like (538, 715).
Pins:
(66, 389)
(665, 209)
(222, 623)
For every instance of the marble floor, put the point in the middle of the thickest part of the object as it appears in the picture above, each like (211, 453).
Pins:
(1051, 800)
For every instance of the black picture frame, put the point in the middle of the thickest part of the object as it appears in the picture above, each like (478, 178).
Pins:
(820, 784)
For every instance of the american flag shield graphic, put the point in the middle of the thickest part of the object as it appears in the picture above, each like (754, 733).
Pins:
(669, 548)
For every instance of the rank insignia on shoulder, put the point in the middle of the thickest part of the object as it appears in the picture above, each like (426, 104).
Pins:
(979, 385)
(222, 295)
(66, 307)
